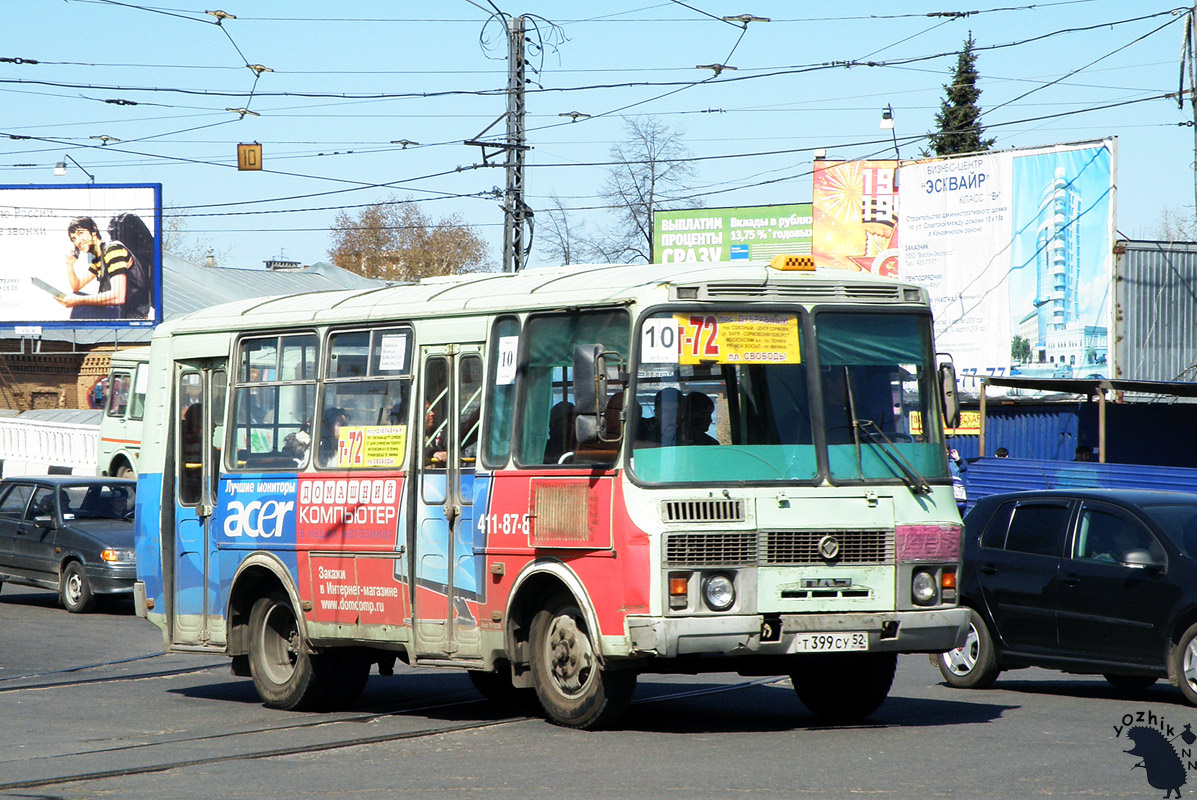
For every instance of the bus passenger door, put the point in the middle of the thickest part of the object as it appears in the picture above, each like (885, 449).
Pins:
(200, 390)
(447, 584)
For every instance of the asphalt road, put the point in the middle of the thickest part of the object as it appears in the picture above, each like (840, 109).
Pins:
(90, 707)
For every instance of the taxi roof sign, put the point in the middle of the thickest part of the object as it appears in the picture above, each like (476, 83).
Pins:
(806, 263)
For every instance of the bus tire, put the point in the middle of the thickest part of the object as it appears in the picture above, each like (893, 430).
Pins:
(844, 687)
(73, 589)
(125, 471)
(574, 689)
(285, 674)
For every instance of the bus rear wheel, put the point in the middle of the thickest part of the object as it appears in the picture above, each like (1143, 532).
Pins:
(574, 689)
(285, 674)
(844, 687)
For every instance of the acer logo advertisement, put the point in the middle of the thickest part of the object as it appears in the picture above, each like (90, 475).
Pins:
(257, 519)
(254, 510)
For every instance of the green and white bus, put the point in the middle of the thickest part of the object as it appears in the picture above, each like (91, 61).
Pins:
(556, 480)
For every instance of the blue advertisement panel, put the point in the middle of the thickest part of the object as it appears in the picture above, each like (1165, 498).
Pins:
(1015, 249)
(81, 256)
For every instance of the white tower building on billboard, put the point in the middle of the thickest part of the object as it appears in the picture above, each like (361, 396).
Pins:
(1061, 337)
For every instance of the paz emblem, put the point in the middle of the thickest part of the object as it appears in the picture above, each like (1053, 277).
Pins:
(829, 547)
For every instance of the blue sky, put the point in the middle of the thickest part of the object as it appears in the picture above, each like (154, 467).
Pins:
(348, 79)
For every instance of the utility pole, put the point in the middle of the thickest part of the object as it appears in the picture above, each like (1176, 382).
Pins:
(516, 212)
(1191, 56)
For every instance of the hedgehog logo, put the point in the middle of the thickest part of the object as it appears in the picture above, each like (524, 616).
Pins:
(1153, 745)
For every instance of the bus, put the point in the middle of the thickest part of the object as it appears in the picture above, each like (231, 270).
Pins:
(557, 480)
(124, 406)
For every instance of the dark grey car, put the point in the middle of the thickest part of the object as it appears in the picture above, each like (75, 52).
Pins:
(67, 533)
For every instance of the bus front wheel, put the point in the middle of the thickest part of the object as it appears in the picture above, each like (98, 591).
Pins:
(285, 674)
(573, 687)
(844, 687)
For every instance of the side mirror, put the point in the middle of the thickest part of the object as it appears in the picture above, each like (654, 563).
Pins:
(586, 429)
(590, 378)
(44, 521)
(1141, 559)
(947, 391)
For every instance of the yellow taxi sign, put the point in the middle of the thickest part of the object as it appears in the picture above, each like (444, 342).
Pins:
(785, 262)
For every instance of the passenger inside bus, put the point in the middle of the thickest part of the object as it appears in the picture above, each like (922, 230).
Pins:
(698, 414)
(330, 434)
(562, 438)
(191, 435)
(435, 446)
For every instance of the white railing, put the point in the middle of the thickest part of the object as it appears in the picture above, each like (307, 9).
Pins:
(33, 447)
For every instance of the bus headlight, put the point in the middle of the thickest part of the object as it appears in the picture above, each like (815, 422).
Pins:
(719, 592)
(923, 588)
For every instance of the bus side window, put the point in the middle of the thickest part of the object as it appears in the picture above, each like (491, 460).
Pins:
(367, 380)
(274, 398)
(500, 400)
(118, 393)
(547, 380)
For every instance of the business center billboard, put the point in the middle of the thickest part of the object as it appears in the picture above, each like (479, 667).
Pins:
(1015, 248)
(81, 256)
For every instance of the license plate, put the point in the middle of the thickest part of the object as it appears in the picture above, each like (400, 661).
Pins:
(831, 642)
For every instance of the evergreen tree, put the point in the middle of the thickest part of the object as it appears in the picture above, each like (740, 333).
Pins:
(958, 123)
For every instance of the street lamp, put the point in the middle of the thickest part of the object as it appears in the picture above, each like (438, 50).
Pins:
(887, 124)
(60, 167)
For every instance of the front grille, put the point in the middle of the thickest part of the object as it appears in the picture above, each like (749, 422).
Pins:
(703, 510)
(710, 549)
(802, 547)
(776, 548)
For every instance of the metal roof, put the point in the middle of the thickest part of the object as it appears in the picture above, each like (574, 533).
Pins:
(70, 416)
(557, 287)
(188, 287)
(1091, 386)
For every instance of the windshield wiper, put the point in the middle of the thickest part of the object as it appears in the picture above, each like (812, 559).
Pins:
(917, 483)
(910, 476)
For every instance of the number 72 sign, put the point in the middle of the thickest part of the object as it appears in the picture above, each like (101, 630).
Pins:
(722, 338)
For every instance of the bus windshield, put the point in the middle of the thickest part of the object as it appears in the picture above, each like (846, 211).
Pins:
(737, 397)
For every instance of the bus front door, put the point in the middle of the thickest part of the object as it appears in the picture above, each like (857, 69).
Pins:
(200, 390)
(447, 585)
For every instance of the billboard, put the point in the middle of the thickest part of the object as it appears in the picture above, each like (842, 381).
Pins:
(855, 210)
(81, 256)
(731, 234)
(1016, 251)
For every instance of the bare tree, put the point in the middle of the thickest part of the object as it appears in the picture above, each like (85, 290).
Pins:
(563, 238)
(652, 171)
(396, 241)
(1175, 226)
(178, 241)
